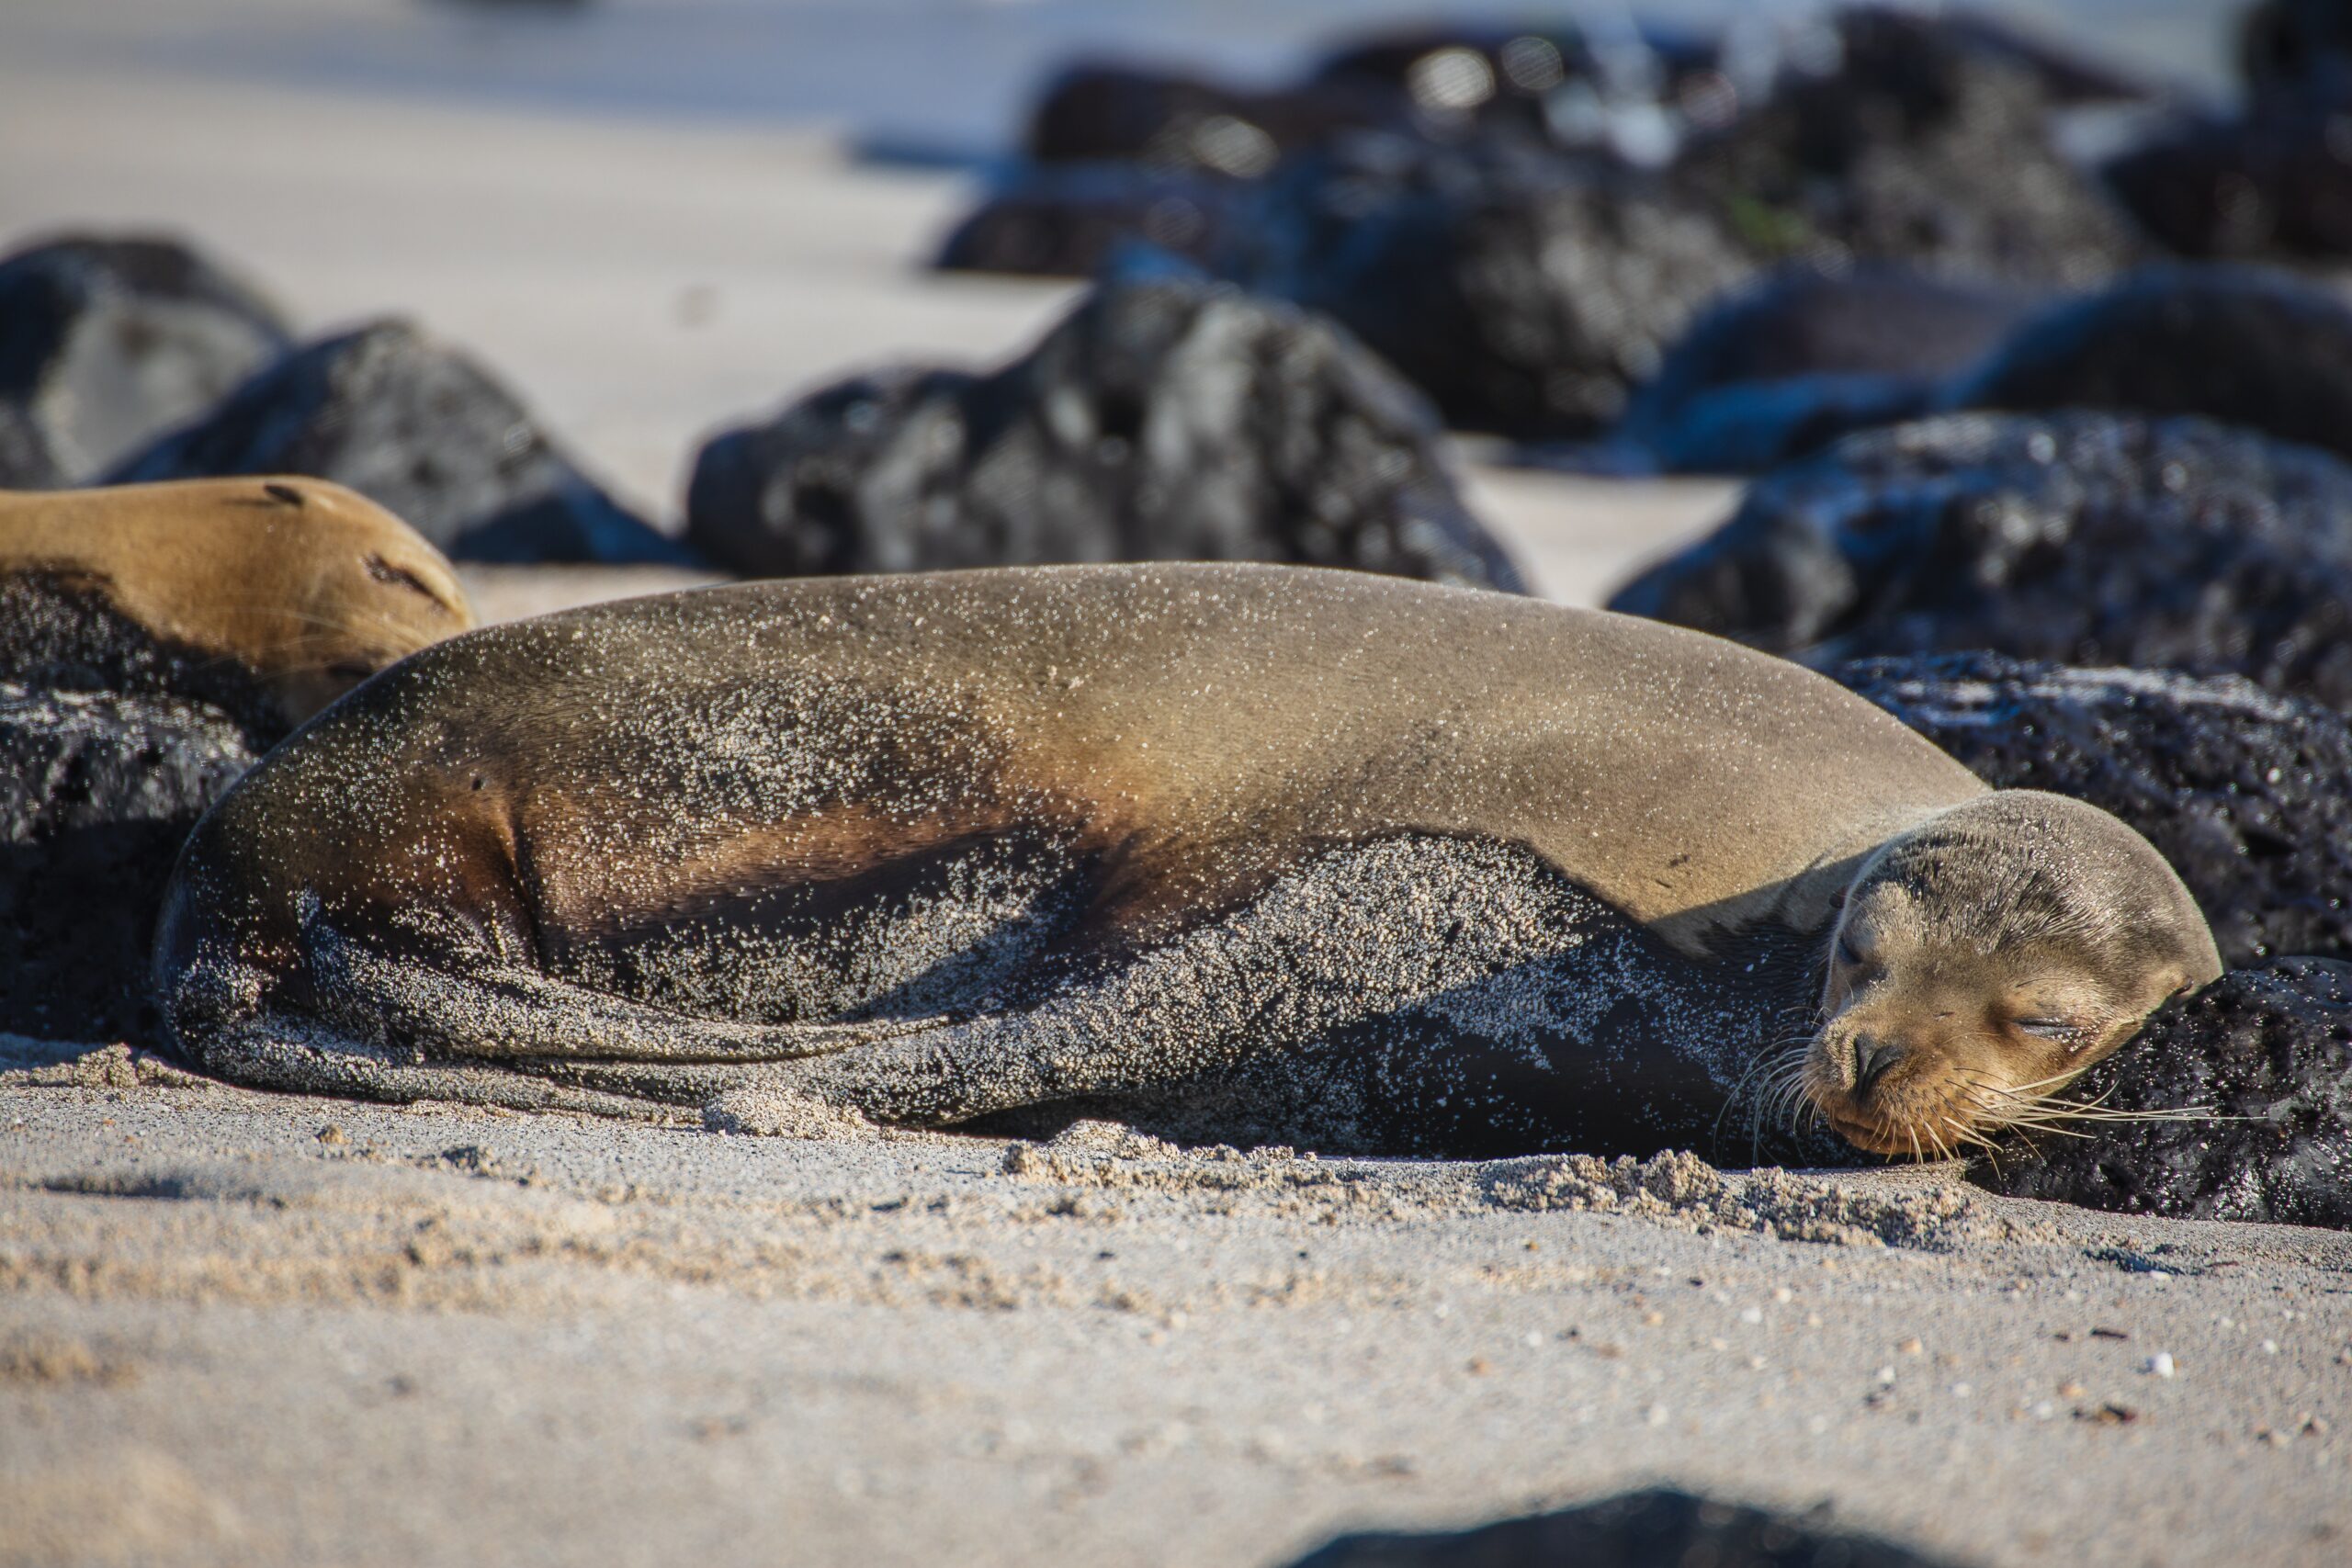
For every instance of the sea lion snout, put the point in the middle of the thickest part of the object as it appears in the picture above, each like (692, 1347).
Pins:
(1892, 1065)
(1872, 1056)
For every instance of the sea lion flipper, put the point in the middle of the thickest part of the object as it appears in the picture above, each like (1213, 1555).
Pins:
(493, 1013)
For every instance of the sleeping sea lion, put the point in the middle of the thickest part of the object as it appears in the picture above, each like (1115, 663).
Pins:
(1246, 850)
(267, 598)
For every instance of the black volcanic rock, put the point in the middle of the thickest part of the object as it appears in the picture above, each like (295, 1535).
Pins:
(2080, 538)
(2296, 46)
(1069, 220)
(1525, 291)
(1541, 220)
(1443, 81)
(1164, 419)
(107, 343)
(2244, 791)
(1788, 363)
(97, 789)
(1528, 290)
(422, 430)
(1097, 111)
(2237, 344)
(2268, 1054)
(1636, 90)
(2275, 179)
(2275, 183)
(1915, 141)
(1660, 1529)
(58, 633)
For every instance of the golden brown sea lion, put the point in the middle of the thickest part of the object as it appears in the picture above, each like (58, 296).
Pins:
(270, 597)
(1256, 850)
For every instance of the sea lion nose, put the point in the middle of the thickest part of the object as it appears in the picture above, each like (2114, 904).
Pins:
(1872, 1056)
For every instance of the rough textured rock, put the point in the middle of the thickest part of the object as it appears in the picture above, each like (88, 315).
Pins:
(97, 793)
(2277, 183)
(2080, 538)
(2244, 791)
(1545, 214)
(2237, 344)
(422, 430)
(2274, 179)
(107, 343)
(57, 633)
(1097, 111)
(1525, 291)
(2296, 46)
(2267, 1053)
(1633, 90)
(1068, 220)
(1638, 1529)
(1163, 420)
(1915, 141)
(1633, 93)
(1787, 365)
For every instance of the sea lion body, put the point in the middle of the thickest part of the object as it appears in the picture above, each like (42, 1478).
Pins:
(268, 597)
(1418, 867)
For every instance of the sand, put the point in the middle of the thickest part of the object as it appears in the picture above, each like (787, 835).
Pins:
(242, 1329)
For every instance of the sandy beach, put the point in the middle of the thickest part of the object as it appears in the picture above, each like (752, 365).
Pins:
(241, 1328)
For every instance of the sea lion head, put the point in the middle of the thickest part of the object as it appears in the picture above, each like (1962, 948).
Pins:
(351, 590)
(1982, 960)
(294, 590)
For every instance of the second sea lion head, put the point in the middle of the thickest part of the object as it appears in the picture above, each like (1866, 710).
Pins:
(351, 589)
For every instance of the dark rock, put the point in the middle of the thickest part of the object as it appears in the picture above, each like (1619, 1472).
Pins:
(2275, 183)
(107, 343)
(97, 793)
(1068, 220)
(29, 459)
(2238, 344)
(423, 432)
(58, 633)
(2242, 790)
(1095, 112)
(1749, 426)
(2079, 538)
(1166, 419)
(1638, 1529)
(1525, 291)
(1784, 365)
(1545, 216)
(2296, 46)
(1910, 140)
(2067, 75)
(1635, 90)
(2267, 1054)
(2276, 178)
